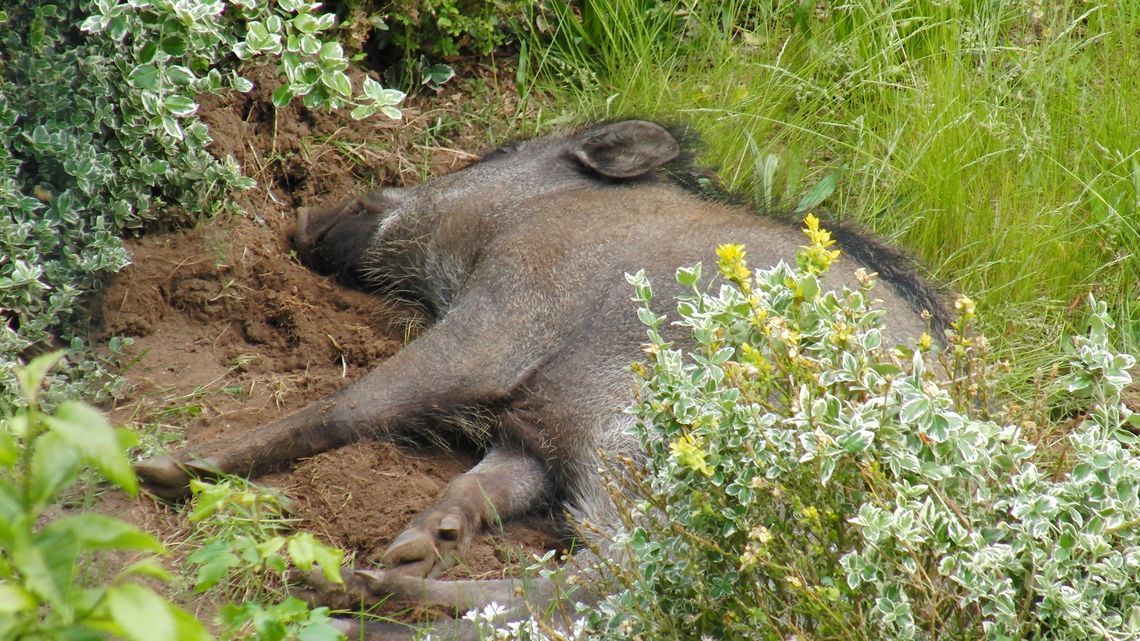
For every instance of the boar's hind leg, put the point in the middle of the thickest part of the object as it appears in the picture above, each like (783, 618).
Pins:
(515, 600)
(505, 484)
(465, 360)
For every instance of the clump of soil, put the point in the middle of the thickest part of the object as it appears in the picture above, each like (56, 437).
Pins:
(230, 331)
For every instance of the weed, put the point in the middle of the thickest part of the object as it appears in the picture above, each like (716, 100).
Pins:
(46, 587)
(243, 552)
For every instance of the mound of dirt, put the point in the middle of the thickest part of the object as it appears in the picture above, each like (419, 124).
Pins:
(230, 331)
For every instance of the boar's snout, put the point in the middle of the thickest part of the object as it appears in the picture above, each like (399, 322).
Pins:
(331, 240)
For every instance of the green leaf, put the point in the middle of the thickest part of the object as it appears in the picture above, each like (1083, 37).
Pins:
(141, 614)
(148, 567)
(11, 509)
(282, 96)
(320, 631)
(819, 192)
(174, 45)
(9, 453)
(189, 628)
(330, 560)
(688, 276)
(55, 466)
(305, 23)
(372, 89)
(170, 125)
(338, 81)
(146, 53)
(438, 74)
(144, 77)
(216, 568)
(267, 548)
(331, 51)
(241, 84)
(32, 375)
(179, 75)
(310, 45)
(47, 565)
(363, 111)
(180, 105)
(300, 549)
(99, 532)
(88, 431)
(16, 425)
(391, 97)
(304, 550)
(14, 598)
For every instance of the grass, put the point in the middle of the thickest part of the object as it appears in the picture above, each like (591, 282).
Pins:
(997, 141)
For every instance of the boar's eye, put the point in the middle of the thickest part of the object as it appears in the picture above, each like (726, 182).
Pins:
(501, 151)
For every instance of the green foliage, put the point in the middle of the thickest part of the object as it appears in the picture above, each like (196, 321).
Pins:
(805, 480)
(414, 35)
(290, 619)
(438, 28)
(98, 135)
(47, 590)
(995, 139)
(243, 551)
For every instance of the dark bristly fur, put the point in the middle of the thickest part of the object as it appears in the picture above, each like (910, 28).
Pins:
(519, 263)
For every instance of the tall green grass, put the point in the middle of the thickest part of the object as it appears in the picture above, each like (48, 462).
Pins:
(999, 141)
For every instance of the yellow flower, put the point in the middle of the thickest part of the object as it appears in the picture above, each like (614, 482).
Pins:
(752, 356)
(810, 515)
(816, 257)
(689, 454)
(818, 236)
(842, 333)
(925, 341)
(733, 265)
(965, 307)
(730, 252)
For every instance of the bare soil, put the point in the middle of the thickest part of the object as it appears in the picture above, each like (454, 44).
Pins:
(230, 331)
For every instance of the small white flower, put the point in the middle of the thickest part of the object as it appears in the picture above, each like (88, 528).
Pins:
(493, 610)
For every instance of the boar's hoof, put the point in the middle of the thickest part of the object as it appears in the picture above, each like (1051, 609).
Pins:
(168, 479)
(433, 543)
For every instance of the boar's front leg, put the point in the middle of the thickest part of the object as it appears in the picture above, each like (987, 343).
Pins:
(465, 360)
(505, 484)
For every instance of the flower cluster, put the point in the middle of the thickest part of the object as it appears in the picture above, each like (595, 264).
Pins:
(816, 258)
(732, 265)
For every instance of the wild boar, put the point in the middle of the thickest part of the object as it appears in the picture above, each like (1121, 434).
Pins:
(519, 261)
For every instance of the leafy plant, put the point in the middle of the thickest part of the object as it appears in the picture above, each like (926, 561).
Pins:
(245, 554)
(99, 136)
(47, 590)
(805, 480)
(445, 27)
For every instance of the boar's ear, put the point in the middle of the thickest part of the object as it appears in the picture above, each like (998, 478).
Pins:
(626, 149)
